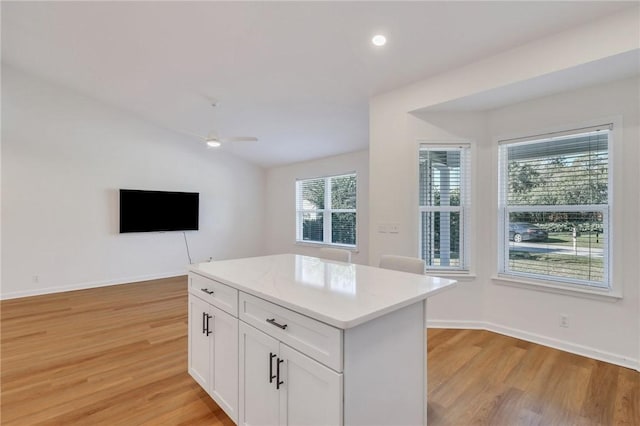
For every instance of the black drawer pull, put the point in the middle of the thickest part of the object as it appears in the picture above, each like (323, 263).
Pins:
(206, 290)
(278, 381)
(272, 321)
(204, 322)
(208, 318)
(271, 376)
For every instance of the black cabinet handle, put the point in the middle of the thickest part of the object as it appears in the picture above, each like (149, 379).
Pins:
(272, 321)
(206, 290)
(271, 376)
(204, 322)
(208, 318)
(278, 381)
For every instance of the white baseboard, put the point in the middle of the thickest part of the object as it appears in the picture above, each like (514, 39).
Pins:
(90, 284)
(459, 324)
(541, 340)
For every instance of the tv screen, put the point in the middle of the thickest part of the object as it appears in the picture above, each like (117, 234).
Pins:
(155, 211)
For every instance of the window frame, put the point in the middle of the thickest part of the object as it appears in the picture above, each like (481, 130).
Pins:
(327, 212)
(465, 208)
(606, 210)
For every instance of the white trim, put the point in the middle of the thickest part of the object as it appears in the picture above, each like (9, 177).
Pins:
(586, 351)
(452, 275)
(566, 288)
(454, 209)
(558, 134)
(444, 146)
(353, 249)
(616, 120)
(327, 214)
(90, 284)
(353, 172)
(456, 324)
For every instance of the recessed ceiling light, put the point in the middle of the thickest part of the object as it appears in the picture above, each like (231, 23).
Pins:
(212, 143)
(379, 40)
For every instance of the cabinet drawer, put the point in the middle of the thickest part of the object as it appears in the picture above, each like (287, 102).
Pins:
(219, 295)
(315, 339)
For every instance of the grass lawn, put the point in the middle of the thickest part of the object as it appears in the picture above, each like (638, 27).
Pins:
(560, 265)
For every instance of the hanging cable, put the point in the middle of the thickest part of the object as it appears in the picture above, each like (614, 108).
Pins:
(187, 245)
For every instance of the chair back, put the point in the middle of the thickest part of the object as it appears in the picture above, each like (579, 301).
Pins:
(402, 263)
(341, 255)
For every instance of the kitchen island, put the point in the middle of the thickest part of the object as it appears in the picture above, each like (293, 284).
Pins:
(290, 340)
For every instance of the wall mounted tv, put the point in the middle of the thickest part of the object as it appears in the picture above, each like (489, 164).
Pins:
(157, 211)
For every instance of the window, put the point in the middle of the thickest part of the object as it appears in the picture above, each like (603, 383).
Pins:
(554, 205)
(444, 206)
(326, 210)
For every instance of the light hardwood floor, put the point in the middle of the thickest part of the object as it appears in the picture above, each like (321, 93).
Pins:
(118, 356)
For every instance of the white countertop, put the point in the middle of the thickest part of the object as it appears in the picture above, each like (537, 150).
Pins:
(343, 295)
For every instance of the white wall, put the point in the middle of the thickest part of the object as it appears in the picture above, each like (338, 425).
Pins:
(64, 158)
(599, 328)
(281, 202)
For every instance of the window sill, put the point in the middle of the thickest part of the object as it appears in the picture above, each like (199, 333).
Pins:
(460, 276)
(352, 249)
(549, 287)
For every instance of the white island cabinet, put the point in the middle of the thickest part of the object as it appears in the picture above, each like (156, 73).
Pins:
(213, 341)
(297, 340)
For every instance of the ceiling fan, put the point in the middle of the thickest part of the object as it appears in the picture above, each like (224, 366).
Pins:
(214, 141)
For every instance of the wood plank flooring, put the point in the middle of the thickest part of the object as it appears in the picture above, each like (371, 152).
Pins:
(483, 378)
(118, 356)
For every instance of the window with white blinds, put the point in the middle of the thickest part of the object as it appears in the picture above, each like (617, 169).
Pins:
(554, 205)
(444, 209)
(326, 210)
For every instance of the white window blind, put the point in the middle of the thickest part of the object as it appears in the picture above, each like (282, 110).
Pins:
(554, 195)
(445, 206)
(326, 210)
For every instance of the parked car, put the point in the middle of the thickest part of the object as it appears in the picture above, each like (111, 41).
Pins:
(523, 231)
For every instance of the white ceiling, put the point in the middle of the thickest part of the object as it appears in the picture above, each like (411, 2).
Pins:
(298, 75)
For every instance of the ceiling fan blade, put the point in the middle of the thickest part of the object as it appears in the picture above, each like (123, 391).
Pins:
(188, 133)
(240, 139)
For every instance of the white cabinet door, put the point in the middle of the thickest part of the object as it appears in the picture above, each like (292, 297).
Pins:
(200, 342)
(312, 393)
(224, 380)
(259, 397)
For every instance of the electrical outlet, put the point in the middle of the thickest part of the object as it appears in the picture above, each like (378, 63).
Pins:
(564, 321)
(394, 228)
(36, 278)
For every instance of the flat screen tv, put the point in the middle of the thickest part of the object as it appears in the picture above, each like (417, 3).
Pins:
(158, 211)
